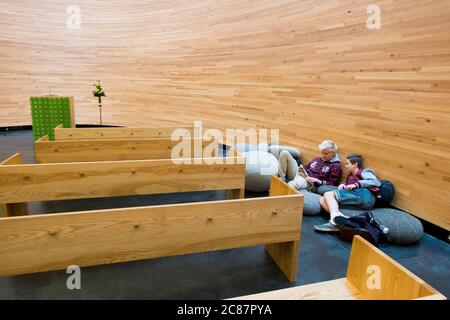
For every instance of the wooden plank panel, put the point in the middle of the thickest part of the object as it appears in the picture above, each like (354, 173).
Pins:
(339, 289)
(50, 242)
(377, 276)
(72, 112)
(279, 188)
(118, 133)
(14, 159)
(285, 254)
(43, 139)
(109, 150)
(41, 182)
(396, 282)
(310, 68)
(13, 209)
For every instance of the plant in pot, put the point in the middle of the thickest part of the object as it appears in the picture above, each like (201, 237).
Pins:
(98, 92)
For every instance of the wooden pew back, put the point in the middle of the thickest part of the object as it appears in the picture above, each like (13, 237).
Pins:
(286, 254)
(115, 149)
(58, 181)
(371, 275)
(115, 235)
(379, 277)
(118, 133)
(13, 209)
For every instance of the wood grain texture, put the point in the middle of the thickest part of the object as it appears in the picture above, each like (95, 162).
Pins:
(339, 289)
(42, 182)
(279, 188)
(14, 159)
(116, 149)
(285, 254)
(50, 242)
(397, 283)
(236, 194)
(118, 133)
(43, 139)
(310, 68)
(13, 209)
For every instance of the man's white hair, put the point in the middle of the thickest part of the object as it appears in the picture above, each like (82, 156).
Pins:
(328, 144)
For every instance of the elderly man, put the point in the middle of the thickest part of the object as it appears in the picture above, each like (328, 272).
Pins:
(321, 171)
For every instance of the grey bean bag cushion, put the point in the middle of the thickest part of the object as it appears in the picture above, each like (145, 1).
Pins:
(311, 205)
(404, 229)
(259, 167)
(322, 189)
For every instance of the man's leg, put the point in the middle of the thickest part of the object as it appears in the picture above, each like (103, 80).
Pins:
(275, 150)
(287, 166)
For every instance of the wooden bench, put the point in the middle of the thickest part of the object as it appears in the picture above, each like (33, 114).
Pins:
(47, 151)
(22, 183)
(371, 275)
(39, 243)
(117, 132)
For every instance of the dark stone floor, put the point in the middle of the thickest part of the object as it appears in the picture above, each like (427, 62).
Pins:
(213, 275)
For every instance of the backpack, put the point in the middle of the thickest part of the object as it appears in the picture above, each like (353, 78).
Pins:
(386, 194)
(363, 224)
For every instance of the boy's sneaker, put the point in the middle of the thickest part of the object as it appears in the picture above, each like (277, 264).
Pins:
(327, 227)
(340, 220)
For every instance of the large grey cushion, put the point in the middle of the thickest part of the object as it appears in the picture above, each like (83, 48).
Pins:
(404, 229)
(322, 189)
(311, 205)
(259, 167)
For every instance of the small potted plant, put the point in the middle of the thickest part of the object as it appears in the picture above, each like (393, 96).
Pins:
(98, 92)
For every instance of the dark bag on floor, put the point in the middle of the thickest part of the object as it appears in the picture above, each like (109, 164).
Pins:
(364, 225)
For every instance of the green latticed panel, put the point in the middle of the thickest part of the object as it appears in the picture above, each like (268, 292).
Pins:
(49, 112)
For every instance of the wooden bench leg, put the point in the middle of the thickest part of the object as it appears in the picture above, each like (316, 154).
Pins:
(285, 255)
(236, 194)
(14, 209)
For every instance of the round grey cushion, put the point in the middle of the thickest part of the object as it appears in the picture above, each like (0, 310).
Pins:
(322, 189)
(259, 167)
(404, 229)
(311, 205)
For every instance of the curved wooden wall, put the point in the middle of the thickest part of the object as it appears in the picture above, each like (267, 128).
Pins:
(311, 68)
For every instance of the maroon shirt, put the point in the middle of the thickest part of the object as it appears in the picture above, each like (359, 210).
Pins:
(328, 172)
(355, 178)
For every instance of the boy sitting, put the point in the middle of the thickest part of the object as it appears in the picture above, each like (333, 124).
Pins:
(360, 190)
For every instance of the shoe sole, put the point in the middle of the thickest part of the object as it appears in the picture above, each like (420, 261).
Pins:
(326, 230)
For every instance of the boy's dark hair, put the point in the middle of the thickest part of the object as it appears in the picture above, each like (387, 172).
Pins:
(355, 158)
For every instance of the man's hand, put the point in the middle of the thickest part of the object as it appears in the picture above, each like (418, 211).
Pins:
(341, 186)
(313, 180)
(350, 187)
